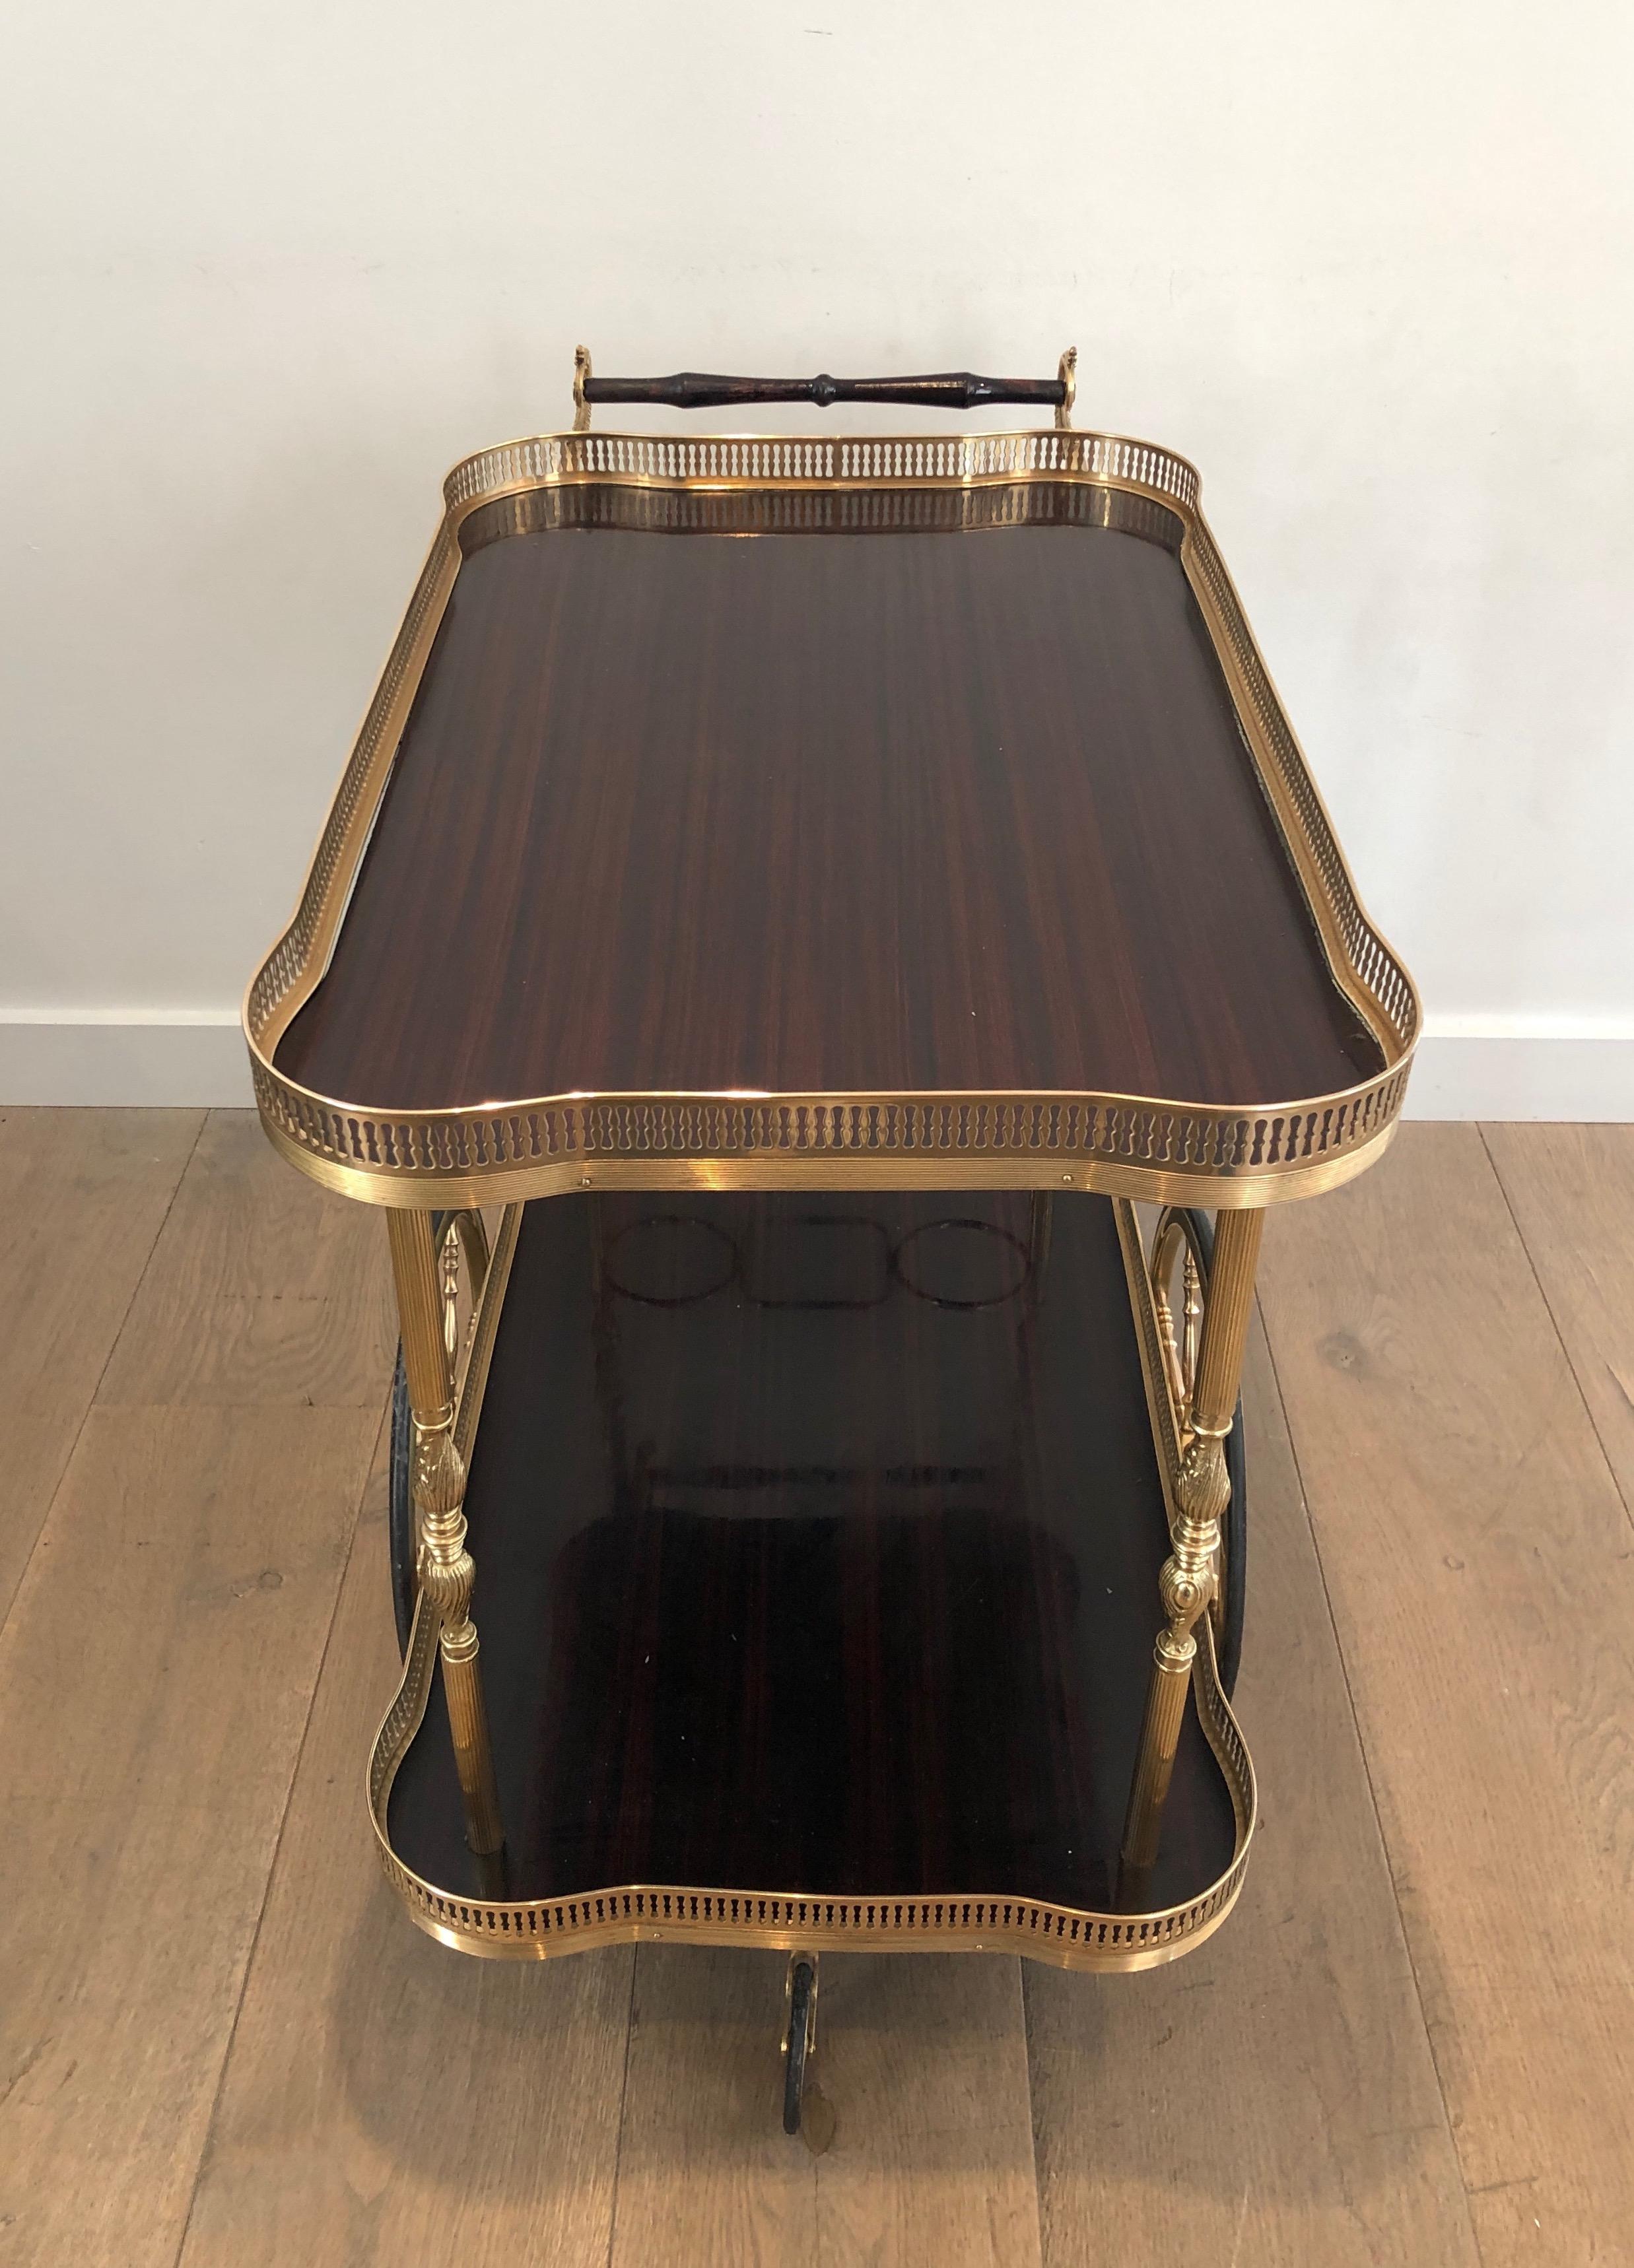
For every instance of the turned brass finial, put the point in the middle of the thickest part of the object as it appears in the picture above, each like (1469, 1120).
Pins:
(581, 371)
(1068, 375)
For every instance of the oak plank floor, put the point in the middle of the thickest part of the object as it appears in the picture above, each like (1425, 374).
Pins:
(1271, 2098)
(264, 1288)
(924, 2151)
(1478, 1559)
(388, 2099)
(1571, 1189)
(154, 1677)
(84, 1192)
(221, 2040)
(156, 1673)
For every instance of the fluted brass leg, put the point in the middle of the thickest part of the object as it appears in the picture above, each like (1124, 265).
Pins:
(1203, 1492)
(1186, 1586)
(473, 1757)
(447, 1571)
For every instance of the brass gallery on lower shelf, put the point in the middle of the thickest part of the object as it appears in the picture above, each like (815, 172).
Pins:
(537, 1929)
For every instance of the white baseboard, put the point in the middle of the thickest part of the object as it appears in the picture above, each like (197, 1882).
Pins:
(132, 1056)
(1523, 1067)
(1467, 1067)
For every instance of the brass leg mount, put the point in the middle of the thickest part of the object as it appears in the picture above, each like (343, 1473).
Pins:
(447, 1571)
(1202, 1493)
(1186, 1586)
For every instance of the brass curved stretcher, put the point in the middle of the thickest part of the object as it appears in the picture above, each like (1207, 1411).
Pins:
(854, 913)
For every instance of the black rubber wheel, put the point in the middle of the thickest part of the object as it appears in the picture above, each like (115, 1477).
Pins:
(794, 2062)
(400, 1502)
(1229, 1634)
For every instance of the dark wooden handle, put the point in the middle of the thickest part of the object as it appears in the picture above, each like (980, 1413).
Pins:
(947, 389)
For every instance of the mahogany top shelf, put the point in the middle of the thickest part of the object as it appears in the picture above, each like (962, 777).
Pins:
(839, 789)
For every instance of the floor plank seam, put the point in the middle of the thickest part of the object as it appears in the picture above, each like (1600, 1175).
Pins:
(624, 2097)
(90, 1399)
(278, 1841)
(1554, 1324)
(1032, 2106)
(1372, 1793)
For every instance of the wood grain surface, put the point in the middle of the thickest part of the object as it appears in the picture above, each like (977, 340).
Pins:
(817, 1543)
(838, 811)
(156, 1671)
(1271, 2098)
(1479, 1562)
(264, 1289)
(915, 2146)
(155, 1675)
(85, 1192)
(388, 2100)
(1571, 1189)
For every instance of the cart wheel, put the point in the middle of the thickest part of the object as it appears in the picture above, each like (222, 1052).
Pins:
(1186, 1234)
(801, 2036)
(469, 1244)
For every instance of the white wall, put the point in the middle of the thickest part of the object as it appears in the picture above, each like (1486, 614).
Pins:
(269, 269)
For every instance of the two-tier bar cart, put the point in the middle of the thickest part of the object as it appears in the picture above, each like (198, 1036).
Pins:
(825, 949)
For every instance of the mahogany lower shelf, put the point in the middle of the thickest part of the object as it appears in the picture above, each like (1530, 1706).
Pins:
(817, 1545)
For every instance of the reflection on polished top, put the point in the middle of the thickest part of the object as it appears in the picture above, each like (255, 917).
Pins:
(818, 1540)
(951, 796)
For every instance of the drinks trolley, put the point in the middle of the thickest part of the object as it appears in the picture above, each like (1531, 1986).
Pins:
(824, 950)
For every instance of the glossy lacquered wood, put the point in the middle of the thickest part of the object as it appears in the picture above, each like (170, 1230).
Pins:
(856, 807)
(945, 389)
(817, 1544)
